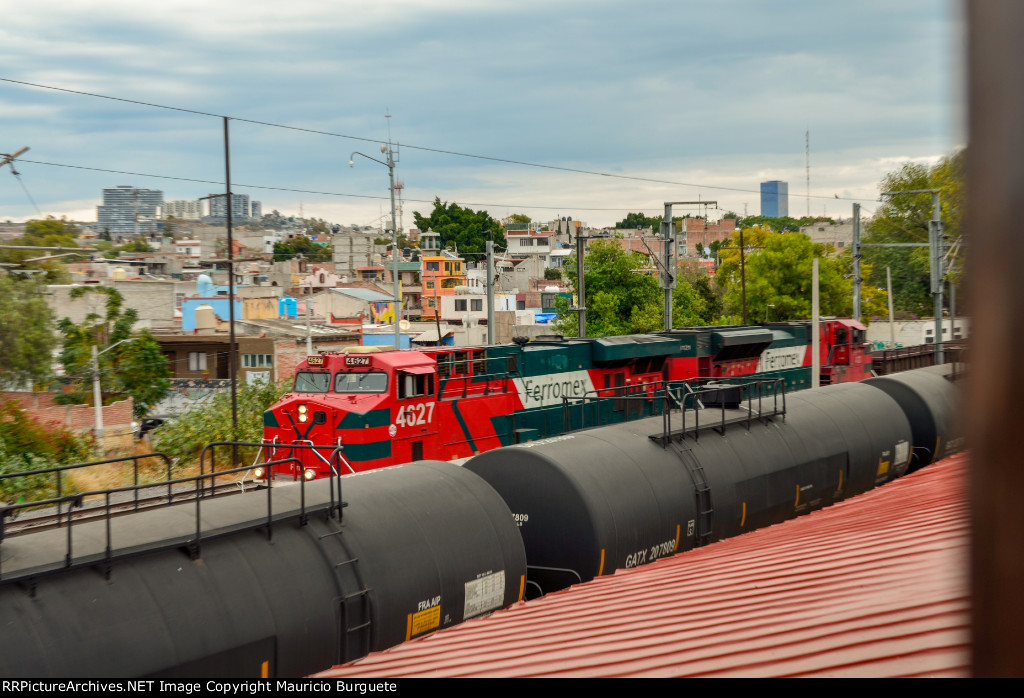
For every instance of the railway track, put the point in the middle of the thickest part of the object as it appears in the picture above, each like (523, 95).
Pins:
(92, 507)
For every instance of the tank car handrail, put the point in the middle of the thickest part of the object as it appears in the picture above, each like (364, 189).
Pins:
(337, 458)
(264, 444)
(561, 570)
(60, 469)
(76, 500)
(777, 388)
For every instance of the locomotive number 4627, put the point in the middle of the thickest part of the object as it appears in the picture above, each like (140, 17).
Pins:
(413, 415)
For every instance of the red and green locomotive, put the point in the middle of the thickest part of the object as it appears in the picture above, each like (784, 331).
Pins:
(380, 408)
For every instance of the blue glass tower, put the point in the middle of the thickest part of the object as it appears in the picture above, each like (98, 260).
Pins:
(775, 199)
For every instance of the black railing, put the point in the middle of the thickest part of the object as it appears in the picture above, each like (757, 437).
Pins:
(334, 463)
(59, 472)
(713, 390)
(109, 555)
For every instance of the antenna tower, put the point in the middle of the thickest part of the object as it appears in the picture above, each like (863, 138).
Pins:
(807, 140)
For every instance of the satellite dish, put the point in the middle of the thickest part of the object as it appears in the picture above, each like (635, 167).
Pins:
(404, 325)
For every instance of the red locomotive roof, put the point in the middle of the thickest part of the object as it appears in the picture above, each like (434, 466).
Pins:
(867, 587)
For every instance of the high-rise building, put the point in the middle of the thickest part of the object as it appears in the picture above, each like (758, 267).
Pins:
(123, 207)
(775, 199)
(184, 209)
(257, 209)
(239, 206)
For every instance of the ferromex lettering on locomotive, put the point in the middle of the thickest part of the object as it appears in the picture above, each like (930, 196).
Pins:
(545, 391)
(781, 359)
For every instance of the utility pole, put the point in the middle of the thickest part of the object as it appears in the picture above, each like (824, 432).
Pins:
(97, 397)
(231, 298)
(815, 327)
(389, 151)
(856, 262)
(309, 321)
(581, 303)
(490, 292)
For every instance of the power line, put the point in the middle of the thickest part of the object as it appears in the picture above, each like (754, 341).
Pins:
(321, 193)
(441, 151)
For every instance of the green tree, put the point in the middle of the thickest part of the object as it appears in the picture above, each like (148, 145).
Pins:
(634, 221)
(904, 219)
(623, 296)
(784, 224)
(519, 220)
(778, 274)
(697, 276)
(464, 228)
(317, 226)
(50, 232)
(27, 333)
(170, 227)
(304, 246)
(134, 367)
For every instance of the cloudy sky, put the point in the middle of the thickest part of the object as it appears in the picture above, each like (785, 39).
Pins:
(710, 98)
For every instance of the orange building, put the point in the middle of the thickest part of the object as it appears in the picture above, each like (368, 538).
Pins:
(442, 272)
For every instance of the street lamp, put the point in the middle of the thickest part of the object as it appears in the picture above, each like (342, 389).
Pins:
(97, 394)
(387, 150)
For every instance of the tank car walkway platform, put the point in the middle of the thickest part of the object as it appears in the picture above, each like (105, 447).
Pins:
(169, 526)
(873, 586)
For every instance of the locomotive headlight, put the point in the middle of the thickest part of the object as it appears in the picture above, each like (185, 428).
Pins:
(259, 472)
(302, 413)
(309, 473)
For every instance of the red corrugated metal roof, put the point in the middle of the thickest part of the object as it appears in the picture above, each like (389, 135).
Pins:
(874, 586)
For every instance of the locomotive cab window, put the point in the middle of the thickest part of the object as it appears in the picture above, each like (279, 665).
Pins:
(360, 382)
(412, 385)
(312, 382)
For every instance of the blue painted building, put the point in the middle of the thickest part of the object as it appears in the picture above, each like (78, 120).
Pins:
(775, 199)
(220, 307)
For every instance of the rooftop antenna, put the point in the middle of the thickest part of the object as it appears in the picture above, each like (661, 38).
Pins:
(807, 140)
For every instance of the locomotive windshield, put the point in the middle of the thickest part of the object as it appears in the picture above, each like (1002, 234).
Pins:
(361, 382)
(310, 382)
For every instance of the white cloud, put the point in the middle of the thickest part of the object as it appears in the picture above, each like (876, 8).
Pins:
(693, 92)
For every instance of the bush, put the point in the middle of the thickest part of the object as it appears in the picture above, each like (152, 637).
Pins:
(185, 435)
(27, 444)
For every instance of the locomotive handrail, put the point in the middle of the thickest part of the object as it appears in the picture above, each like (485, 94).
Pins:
(194, 544)
(485, 378)
(60, 469)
